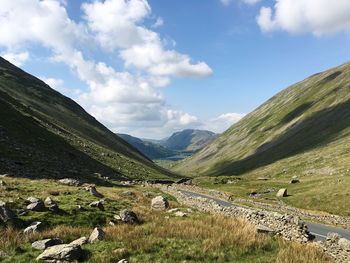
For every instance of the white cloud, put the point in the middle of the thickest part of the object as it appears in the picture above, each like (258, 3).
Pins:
(116, 24)
(120, 99)
(223, 122)
(159, 22)
(17, 59)
(320, 17)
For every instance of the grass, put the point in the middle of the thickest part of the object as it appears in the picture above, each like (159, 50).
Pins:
(303, 131)
(161, 237)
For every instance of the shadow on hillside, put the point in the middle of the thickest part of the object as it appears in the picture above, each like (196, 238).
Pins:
(315, 131)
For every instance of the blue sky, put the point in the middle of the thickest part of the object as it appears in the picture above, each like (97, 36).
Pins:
(149, 68)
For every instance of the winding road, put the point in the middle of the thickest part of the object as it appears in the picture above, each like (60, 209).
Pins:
(320, 231)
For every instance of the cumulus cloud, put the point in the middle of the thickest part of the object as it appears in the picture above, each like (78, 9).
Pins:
(117, 25)
(159, 22)
(17, 59)
(223, 122)
(322, 17)
(122, 100)
(248, 2)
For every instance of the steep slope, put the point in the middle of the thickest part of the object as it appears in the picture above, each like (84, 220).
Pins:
(149, 149)
(45, 134)
(189, 140)
(306, 127)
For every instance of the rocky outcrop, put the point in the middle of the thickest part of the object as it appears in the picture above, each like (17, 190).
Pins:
(159, 203)
(6, 214)
(70, 182)
(61, 253)
(337, 247)
(44, 244)
(282, 192)
(80, 241)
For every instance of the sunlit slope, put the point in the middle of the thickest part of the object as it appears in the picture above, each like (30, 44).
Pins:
(306, 126)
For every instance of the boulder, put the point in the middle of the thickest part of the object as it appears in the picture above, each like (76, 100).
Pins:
(97, 235)
(49, 201)
(159, 203)
(61, 253)
(70, 182)
(33, 227)
(97, 204)
(344, 244)
(44, 244)
(94, 192)
(6, 214)
(32, 199)
(264, 229)
(37, 206)
(80, 241)
(282, 192)
(129, 217)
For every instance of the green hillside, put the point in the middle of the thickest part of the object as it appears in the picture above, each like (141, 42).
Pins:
(303, 131)
(151, 150)
(45, 134)
(189, 140)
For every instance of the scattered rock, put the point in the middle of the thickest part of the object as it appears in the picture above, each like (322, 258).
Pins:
(48, 201)
(159, 203)
(282, 192)
(174, 210)
(344, 244)
(94, 192)
(117, 217)
(80, 241)
(37, 206)
(61, 253)
(264, 229)
(180, 214)
(6, 214)
(123, 261)
(70, 182)
(98, 204)
(44, 244)
(129, 217)
(34, 227)
(33, 199)
(97, 235)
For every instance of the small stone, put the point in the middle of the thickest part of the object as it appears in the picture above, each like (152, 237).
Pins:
(129, 217)
(34, 227)
(123, 261)
(97, 235)
(180, 214)
(264, 229)
(6, 214)
(80, 241)
(282, 192)
(37, 206)
(61, 253)
(94, 192)
(70, 182)
(49, 201)
(33, 199)
(159, 203)
(173, 210)
(43, 244)
(97, 204)
(117, 217)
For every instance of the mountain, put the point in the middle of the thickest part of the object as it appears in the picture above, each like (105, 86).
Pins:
(149, 149)
(304, 129)
(188, 140)
(45, 134)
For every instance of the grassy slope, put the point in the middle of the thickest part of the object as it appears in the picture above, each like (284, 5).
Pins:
(160, 238)
(304, 131)
(44, 133)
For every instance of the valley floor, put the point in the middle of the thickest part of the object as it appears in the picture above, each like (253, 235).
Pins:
(161, 236)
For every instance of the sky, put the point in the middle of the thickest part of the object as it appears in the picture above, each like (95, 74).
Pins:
(152, 67)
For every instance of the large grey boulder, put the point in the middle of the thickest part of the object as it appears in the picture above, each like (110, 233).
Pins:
(61, 253)
(129, 217)
(32, 228)
(282, 192)
(80, 241)
(45, 243)
(159, 203)
(6, 214)
(97, 235)
(70, 182)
